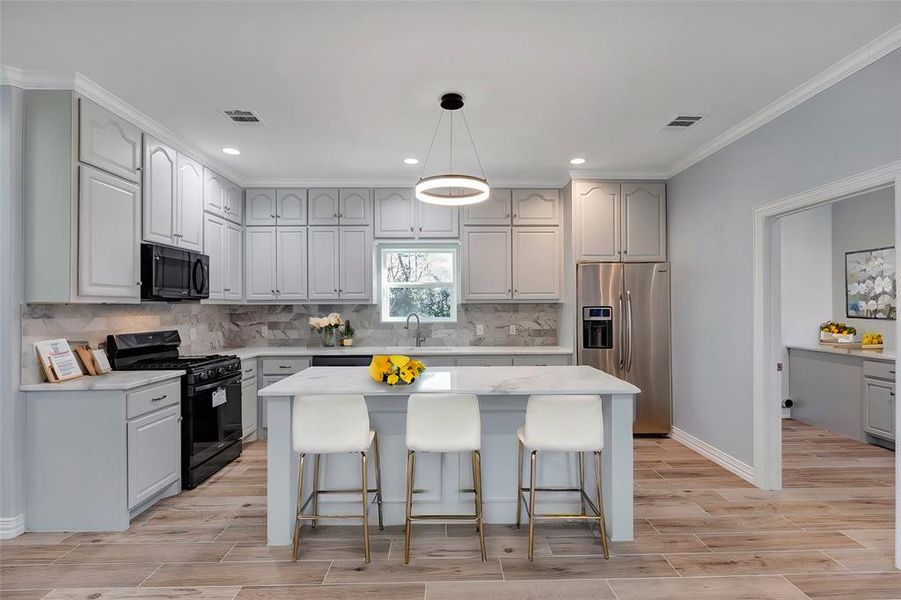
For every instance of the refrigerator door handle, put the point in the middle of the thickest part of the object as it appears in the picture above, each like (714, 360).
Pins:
(622, 334)
(631, 338)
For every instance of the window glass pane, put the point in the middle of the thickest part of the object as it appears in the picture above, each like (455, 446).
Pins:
(427, 302)
(414, 266)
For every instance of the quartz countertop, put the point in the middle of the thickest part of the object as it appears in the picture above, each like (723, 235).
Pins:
(888, 356)
(256, 351)
(112, 381)
(505, 381)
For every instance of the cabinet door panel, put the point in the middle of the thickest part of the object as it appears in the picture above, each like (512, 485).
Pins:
(324, 207)
(323, 263)
(189, 204)
(260, 260)
(485, 361)
(214, 196)
(536, 263)
(355, 257)
(234, 202)
(109, 225)
(496, 210)
(214, 247)
(260, 208)
(644, 222)
(154, 453)
(234, 261)
(355, 207)
(536, 207)
(291, 206)
(394, 214)
(879, 408)
(249, 407)
(433, 221)
(291, 257)
(159, 192)
(486, 263)
(108, 142)
(596, 220)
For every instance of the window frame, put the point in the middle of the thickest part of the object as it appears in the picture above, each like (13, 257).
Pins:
(382, 285)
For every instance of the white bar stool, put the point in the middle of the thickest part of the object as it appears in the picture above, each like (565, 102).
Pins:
(444, 423)
(562, 424)
(333, 425)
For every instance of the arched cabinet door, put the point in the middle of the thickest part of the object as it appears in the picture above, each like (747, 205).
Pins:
(394, 213)
(324, 207)
(189, 204)
(159, 192)
(291, 206)
(644, 222)
(260, 208)
(596, 220)
(355, 206)
(108, 142)
(536, 207)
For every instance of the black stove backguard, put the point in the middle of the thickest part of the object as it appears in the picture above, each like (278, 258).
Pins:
(210, 398)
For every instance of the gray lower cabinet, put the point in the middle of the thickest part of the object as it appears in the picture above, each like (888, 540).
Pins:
(95, 459)
(273, 370)
(249, 409)
(879, 399)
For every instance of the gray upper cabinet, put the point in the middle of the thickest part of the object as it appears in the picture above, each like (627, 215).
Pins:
(394, 213)
(291, 206)
(324, 206)
(108, 142)
(434, 221)
(189, 204)
(234, 202)
(487, 263)
(496, 210)
(260, 209)
(159, 192)
(354, 206)
(596, 220)
(214, 193)
(536, 207)
(644, 222)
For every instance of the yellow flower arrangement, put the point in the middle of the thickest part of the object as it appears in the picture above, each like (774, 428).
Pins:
(395, 368)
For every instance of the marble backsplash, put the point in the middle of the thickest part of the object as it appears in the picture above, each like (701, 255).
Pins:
(206, 328)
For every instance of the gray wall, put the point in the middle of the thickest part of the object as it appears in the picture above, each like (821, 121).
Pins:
(11, 416)
(849, 128)
(859, 223)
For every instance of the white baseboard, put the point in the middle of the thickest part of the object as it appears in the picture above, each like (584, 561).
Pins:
(727, 461)
(11, 527)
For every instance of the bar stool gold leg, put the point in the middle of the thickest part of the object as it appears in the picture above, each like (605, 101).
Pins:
(315, 489)
(378, 479)
(519, 453)
(408, 523)
(532, 504)
(477, 486)
(601, 521)
(582, 481)
(296, 544)
(365, 491)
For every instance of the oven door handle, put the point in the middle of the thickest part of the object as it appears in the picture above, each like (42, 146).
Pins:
(198, 287)
(231, 380)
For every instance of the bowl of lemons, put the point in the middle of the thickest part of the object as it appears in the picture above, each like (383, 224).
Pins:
(871, 339)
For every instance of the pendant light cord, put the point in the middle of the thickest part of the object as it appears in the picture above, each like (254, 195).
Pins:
(428, 155)
(471, 141)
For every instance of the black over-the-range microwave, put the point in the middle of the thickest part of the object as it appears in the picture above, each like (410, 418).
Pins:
(173, 274)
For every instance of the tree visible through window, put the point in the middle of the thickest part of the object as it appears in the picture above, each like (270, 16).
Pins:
(418, 280)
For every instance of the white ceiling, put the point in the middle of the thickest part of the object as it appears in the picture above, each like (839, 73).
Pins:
(350, 89)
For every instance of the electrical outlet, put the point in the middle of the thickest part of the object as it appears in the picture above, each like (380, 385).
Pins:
(480, 329)
(512, 329)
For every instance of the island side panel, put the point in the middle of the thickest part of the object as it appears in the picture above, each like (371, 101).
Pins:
(280, 472)
(619, 413)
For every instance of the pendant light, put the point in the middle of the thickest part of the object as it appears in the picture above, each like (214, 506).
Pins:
(452, 189)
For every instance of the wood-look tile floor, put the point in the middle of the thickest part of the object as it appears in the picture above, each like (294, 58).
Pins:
(701, 533)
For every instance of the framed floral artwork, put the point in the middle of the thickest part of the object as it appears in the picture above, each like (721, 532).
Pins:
(870, 283)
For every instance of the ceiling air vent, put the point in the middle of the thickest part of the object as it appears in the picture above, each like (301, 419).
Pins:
(242, 117)
(681, 122)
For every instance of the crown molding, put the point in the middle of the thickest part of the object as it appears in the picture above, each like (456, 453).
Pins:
(61, 80)
(618, 175)
(359, 182)
(881, 46)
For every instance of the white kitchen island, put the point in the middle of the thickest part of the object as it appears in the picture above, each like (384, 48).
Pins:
(503, 393)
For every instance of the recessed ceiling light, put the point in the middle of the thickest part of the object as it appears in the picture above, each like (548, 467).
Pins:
(577, 161)
(231, 151)
(411, 161)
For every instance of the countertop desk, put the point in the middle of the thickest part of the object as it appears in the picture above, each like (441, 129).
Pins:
(503, 393)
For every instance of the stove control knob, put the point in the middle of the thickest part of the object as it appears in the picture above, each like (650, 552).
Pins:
(204, 376)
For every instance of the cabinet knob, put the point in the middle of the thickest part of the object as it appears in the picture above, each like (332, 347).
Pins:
(335, 290)
(515, 215)
(271, 216)
(335, 215)
(507, 216)
(138, 283)
(411, 229)
(272, 292)
(420, 228)
(278, 216)
(278, 291)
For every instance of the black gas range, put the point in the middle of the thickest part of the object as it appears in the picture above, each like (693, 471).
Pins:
(211, 397)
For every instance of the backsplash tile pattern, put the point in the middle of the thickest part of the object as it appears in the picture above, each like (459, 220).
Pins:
(223, 326)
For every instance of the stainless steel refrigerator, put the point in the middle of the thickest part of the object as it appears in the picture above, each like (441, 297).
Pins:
(624, 330)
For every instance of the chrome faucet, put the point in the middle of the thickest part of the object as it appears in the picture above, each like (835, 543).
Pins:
(419, 339)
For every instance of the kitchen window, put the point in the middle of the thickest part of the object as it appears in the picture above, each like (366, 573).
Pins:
(418, 279)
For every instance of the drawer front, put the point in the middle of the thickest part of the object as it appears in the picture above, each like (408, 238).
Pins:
(484, 361)
(152, 397)
(284, 366)
(879, 369)
(552, 360)
(248, 369)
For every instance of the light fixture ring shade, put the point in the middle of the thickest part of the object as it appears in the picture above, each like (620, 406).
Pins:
(475, 190)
